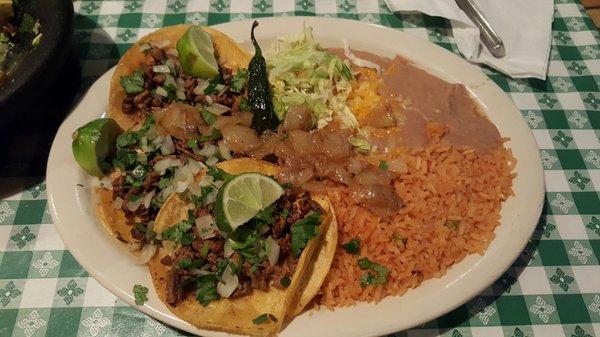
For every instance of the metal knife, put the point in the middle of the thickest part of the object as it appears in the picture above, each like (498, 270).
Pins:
(490, 38)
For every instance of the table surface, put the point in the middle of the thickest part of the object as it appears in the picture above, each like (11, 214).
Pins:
(553, 289)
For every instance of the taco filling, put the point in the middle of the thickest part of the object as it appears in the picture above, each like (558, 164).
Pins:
(261, 253)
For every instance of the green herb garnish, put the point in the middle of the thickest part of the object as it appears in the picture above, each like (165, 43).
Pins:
(369, 278)
(219, 174)
(452, 224)
(383, 165)
(208, 117)
(212, 84)
(206, 289)
(140, 293)
(134, 83)
(27, 24)
(352, 246)
(179, 232)
(304, 230)
(238, 82)
(285, 281)
(264, 318)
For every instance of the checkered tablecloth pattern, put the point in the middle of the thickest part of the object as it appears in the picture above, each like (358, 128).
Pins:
(553, 289)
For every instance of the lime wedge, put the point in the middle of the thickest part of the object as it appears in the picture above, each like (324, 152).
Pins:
(196, 53)
(241, 198)
(93, 143)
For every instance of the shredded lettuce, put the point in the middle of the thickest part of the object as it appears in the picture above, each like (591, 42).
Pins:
(303, 73)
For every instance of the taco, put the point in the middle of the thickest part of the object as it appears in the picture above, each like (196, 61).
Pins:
(158, 49)
(146, 71)
(265, 294)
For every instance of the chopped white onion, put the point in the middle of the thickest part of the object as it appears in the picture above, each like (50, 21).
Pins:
(273, 250)
(162, 165)
(209, 99)
(358, 61)
(212, 161)
(195, 189)
(132, 206)
(144, 47)
(167, 146)
(180, 95)
(397, 166)
(202, 84)
(105, 182)
(227, 249)
(211, 198)
(160, 44)
(219, 87)
(118, 203)
(146, 254)
(148, 199)
(229, 282)
(170, 63)
(142, 157)
(219, 183)
(205, 227)
(161, 91)
(224, 150)
(196, 271)
(206, 180)
(170, 80)
(172, 52)
(195, 166)
(161, 69)
(149, 230)
(217, 109)
(207, 150)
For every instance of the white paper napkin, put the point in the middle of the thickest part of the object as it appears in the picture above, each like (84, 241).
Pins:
(525, 26)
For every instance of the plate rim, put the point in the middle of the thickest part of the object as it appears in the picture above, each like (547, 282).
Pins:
(382, 328)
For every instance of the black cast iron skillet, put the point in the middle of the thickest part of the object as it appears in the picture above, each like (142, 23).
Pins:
(37, 69)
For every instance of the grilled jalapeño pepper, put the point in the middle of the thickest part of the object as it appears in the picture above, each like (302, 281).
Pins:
(259, 92)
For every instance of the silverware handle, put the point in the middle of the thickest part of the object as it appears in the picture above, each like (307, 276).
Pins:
(489, 37)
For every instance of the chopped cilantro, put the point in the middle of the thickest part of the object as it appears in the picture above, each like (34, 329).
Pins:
(134, 83)
(219, 174)
(383, 165)
(140, 293)
(27, 24)
(352, 246)
(141, 227)
(208, 117)
(238, 82)
(134, 197)
(369, 278)
(266, 215)
(211, 88)
(285, 281)
(264, 318)
(244, 104)
(206, 289)
(204, 250)
(139, 172)
(452, 224)
(214, 135)
(179, 232)
(304, 230)
(188, 263)
(125, 159)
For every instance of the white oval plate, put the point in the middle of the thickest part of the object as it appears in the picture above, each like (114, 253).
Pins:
(74, 216)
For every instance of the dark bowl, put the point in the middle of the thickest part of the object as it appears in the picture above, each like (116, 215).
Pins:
(38, 69)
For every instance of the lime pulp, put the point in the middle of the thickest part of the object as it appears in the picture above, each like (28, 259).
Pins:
(197, 54)
(240, 199)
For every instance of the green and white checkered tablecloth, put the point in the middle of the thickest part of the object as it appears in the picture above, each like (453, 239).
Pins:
(553, 289)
